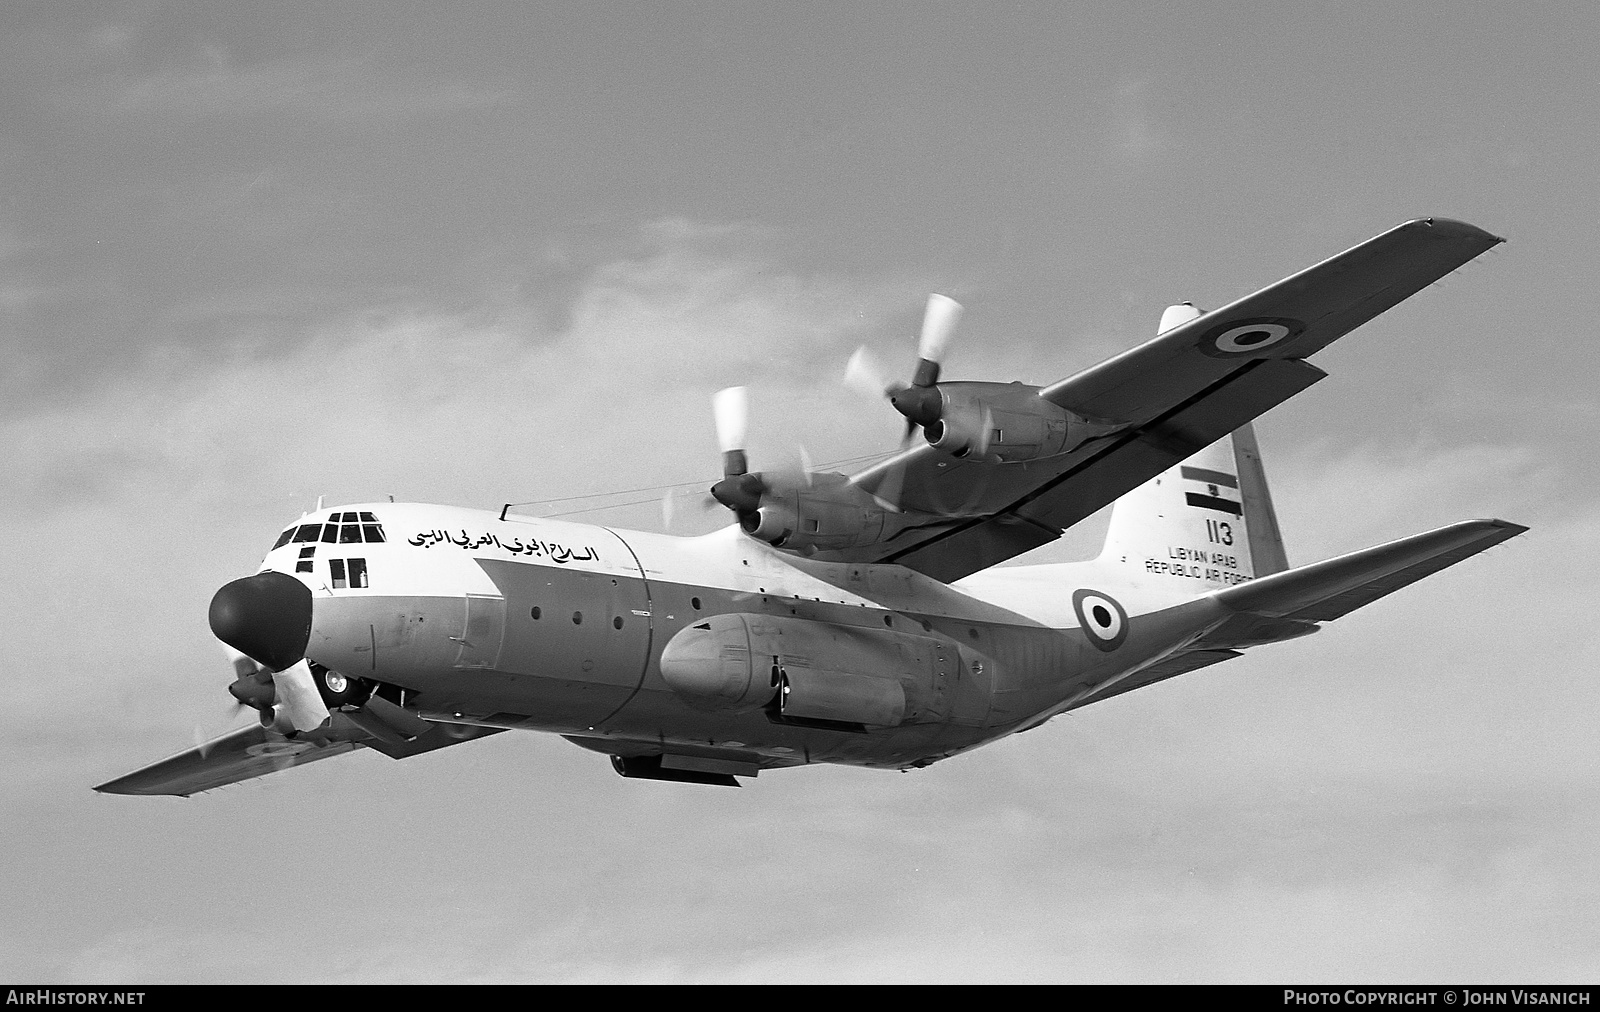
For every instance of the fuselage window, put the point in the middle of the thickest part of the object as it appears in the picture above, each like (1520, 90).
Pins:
(283, 539)
(330, 534)
(308, 532)
(373, 533)
(351, 573)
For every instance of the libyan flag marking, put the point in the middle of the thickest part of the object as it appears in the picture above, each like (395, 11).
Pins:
(1211, 502)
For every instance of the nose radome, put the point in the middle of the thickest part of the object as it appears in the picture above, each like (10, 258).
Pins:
(266, 617)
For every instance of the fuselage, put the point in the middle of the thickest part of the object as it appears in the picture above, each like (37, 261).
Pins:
(518, 622)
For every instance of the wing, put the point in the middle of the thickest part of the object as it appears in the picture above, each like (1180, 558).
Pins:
(1159, 403)
(255, 751)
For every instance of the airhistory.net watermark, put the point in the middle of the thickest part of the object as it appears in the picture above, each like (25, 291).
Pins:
(47, 996)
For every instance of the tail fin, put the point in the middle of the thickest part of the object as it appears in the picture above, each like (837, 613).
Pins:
(1208, 522)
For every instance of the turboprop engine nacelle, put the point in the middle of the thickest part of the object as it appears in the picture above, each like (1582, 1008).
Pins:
(829, 515)
(1002, 422)
(805, 670)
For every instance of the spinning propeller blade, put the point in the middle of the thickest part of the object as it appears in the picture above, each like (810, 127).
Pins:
(919, 401)
(938, 324)
(739, 490)
(731, 408)
(298, 699)
(266, 620)
(865, 375)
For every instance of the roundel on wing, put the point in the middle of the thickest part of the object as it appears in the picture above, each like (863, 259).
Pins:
(1102, 618)
(277, 749)
(1244, 338)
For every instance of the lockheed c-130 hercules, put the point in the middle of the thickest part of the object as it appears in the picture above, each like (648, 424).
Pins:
(844, 619)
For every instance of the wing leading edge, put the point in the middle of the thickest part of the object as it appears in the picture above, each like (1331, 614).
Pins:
(1166, 399)
(255, 751)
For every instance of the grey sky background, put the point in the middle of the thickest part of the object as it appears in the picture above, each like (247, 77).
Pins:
(484, 254)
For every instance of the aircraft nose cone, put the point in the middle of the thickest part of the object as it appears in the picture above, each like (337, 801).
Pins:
(266, 617)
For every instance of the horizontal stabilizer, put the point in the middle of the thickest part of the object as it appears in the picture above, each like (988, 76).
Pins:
(1327, 590)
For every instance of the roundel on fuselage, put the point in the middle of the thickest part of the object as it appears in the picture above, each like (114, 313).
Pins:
(1244, 338)
(1102, 618)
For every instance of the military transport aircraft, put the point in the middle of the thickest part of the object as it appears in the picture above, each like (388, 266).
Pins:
(843, 619)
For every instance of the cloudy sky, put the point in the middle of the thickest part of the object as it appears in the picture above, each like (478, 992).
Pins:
(472, 255)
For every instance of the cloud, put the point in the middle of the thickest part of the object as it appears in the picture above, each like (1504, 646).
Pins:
(648, 337)
(1135, 132)
(340, 90)
(1385, 798)
(1331, 493)
(176, 474)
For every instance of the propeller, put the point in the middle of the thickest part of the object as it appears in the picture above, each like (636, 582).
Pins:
(266, 619)
(739, 490)
(919, 401)
(674, 501)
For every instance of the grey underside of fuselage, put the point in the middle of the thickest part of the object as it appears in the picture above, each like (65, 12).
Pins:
(578, 654)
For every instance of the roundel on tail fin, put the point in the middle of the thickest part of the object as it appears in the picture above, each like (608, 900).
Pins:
(1103, 620)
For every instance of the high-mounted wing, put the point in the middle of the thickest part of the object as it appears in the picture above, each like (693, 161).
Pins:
(255, 751)
(1150, 407)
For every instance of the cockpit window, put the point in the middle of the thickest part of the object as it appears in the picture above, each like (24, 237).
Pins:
(353, 529)
(347, 528)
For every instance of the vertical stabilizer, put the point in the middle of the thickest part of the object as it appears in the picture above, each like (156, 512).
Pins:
(1261, 520)
(1205, 524)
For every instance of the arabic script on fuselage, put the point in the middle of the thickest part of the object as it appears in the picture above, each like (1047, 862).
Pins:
(516, 546)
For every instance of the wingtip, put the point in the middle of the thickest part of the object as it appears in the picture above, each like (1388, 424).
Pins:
(1456, 229)
(1511, 529)
(110, 787)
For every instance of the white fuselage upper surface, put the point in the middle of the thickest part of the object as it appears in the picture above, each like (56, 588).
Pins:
(528, 622)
